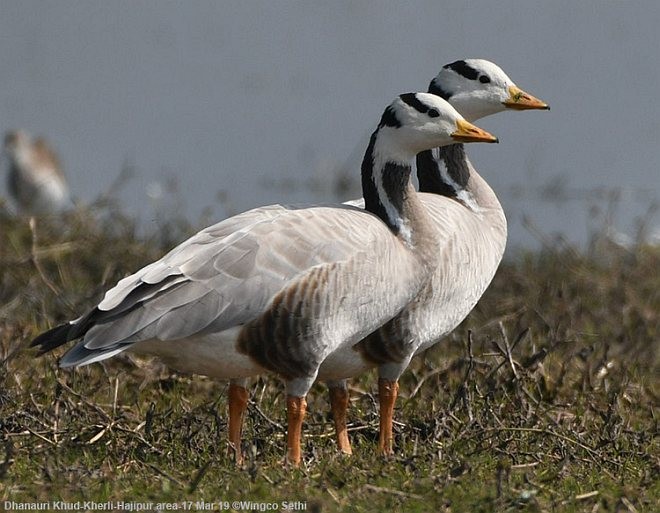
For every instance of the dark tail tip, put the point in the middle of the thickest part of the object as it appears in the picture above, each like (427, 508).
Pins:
(54, 337)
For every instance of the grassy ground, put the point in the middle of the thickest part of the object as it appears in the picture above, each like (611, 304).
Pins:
(545, 399)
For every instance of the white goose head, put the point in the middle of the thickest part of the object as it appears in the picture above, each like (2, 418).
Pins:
(414, 122)
(479, 88)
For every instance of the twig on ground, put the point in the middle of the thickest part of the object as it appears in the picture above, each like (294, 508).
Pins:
(463, 391)
(584, 496)
(265, 417)
(35, 259)
(164, 474)
(398, 493)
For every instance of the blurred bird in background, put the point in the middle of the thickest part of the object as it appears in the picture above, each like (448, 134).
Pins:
(36, 182)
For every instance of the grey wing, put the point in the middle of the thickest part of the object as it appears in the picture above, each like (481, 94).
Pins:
(225, 275)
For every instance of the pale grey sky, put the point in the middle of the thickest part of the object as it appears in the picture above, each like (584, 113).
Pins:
(234, 95)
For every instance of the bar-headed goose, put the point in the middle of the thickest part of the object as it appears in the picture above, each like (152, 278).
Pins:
(36, 182)
(280, 288)
(471, 229)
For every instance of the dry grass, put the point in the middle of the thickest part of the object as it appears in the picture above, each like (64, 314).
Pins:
(545, 399)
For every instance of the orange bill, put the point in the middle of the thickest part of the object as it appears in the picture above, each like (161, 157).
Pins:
(467, 132)
(520, 100)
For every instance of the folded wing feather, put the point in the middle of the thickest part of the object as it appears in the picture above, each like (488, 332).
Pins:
(227, 274)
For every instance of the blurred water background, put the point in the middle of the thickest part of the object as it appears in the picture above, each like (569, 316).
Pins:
(219, 106)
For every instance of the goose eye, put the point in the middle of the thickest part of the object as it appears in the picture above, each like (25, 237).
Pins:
(433, 113)
(484, 79)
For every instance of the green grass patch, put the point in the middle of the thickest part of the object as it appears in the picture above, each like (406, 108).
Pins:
(544, 399)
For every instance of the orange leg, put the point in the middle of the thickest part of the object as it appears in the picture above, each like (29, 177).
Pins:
(387, 392)
(339, 405)
(295, 408)
(238, 399)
